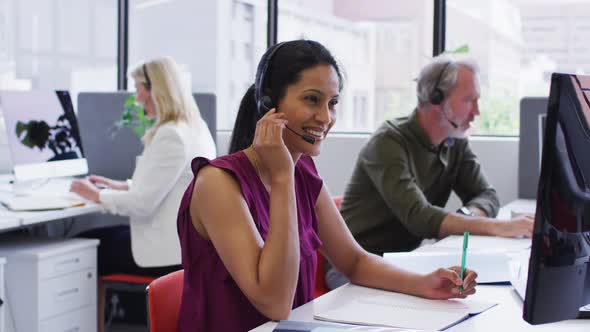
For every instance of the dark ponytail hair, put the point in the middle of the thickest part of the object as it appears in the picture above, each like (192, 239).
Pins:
(284, 69)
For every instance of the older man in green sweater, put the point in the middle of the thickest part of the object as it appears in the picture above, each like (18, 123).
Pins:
(406, 172)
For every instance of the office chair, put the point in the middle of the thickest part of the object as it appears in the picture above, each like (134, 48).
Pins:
(164, 296)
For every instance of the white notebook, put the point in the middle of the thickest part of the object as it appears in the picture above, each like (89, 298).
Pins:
(403, 311)
(41, 202)
(491, 266)
(480, 242)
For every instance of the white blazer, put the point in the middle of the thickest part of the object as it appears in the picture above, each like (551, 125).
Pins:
(162, 174)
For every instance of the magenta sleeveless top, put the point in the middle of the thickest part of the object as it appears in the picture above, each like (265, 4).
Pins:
(211, 299)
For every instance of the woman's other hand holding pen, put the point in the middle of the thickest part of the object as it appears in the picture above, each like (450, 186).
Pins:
(444, 283)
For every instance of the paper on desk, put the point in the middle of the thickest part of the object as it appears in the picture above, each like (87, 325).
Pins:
(400, 310)
(485, 243)
(41, 202)
(490, 266)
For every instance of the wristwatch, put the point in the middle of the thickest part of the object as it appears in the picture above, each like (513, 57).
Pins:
(466, 212)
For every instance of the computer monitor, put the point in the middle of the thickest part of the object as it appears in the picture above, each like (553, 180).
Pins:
(42, 134)
(533, 111)
(541, 123)
(558, 282)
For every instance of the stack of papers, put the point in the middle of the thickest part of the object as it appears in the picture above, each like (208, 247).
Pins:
(41, 202)
(485, 243)
(491, 267)
(390, 309)
(489, 256)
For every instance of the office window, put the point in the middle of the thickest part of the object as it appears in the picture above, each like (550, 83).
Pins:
(216, 43)
(361, 116)
(518, 44)
(58, 44)
(381, 46)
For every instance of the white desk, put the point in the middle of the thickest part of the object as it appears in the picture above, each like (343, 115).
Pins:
(30, 218)
(506, 316)
(11, 220)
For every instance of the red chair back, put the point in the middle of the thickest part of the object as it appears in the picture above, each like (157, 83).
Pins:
(338, 200)
(164, 296)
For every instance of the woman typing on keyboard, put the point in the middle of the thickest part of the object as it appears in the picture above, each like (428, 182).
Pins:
(161, 174)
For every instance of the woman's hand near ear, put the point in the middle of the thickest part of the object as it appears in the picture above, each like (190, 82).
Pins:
(269, 145)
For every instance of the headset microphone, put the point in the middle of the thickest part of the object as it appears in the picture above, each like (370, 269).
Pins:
(266, 103)
(309, 139)
(437, 96)
(449, 120)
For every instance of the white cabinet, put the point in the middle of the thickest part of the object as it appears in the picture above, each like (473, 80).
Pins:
(2, 294)
(51, 284)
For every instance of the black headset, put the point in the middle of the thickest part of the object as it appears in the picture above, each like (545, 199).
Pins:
(264, 101)
(437, 96)
(148, 83)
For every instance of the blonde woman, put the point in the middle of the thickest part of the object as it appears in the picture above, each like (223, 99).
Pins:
(149, 246)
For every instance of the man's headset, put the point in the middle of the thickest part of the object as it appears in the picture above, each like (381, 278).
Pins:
(437, 96)
(264, 102)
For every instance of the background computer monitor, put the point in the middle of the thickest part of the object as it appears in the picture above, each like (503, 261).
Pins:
(42, 134)
(533, 111)
(558, 282)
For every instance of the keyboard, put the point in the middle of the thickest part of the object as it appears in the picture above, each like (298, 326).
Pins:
(51, 194)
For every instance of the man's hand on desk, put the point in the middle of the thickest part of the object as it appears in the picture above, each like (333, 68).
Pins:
(455, 223)
(86, 189)
(516, 227)
(102, 182)
(444, 283)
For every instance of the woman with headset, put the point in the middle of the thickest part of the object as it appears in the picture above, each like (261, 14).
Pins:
(149, 245)
(250, 222)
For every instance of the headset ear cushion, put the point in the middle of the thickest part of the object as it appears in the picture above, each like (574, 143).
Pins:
(266, 102)
(437, 97)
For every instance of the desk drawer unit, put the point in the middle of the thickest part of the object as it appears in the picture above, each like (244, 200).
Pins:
(66, 293)
(51, 284)
(75, 321)
(67, 263)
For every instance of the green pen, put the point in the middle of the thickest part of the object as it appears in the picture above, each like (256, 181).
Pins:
(463, 258)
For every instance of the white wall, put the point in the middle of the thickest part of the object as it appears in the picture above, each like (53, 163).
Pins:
(498, 156)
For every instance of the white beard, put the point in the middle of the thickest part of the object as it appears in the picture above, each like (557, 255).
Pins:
(455, 132)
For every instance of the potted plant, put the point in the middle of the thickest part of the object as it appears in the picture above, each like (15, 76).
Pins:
(133, 116)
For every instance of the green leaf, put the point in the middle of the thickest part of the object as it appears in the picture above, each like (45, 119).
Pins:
(133, 116)
(130, 101)
(140, 115)
(461, 49)
(20, 127)
(138, 131)
(27, 142)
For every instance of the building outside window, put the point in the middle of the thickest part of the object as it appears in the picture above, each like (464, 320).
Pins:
(50, 44)
(518, 44)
